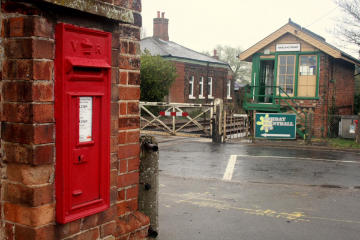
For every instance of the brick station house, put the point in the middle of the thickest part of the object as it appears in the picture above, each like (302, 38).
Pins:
(200, 79)
(39, 197)
(294, 69)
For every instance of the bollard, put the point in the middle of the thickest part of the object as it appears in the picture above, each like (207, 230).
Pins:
(149, 182)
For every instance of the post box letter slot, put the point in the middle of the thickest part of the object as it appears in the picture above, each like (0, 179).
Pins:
(86, 69)
(80, 69)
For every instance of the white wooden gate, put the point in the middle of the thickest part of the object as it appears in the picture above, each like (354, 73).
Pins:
(236, 126)
(164, 118)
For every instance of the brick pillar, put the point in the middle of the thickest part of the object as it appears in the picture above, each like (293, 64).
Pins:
(27, 129)
(321, 109)
(127, 49)
(28, 148)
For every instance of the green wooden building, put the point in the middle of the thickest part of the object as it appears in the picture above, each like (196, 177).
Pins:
(296, 70)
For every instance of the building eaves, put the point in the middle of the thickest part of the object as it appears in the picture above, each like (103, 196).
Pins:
(332, 50)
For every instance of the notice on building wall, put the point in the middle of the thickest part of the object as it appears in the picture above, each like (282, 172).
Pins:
(352, 129)
(85, 119)
(288, 47)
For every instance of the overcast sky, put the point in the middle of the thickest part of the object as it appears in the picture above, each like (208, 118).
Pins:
(203, 24)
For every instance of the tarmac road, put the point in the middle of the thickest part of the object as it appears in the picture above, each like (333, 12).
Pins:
(250, 192)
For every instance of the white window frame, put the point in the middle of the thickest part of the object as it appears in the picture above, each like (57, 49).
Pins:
(285, 75)
(191, 88)
(201, 87)
(228, 89)
(210, 83)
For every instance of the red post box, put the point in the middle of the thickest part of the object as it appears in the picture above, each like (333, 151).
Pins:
(82, 112)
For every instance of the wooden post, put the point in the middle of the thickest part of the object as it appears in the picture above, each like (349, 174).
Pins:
(173, 121)
(149, 182)
(225, 126)
(217, 122)
(358, 130)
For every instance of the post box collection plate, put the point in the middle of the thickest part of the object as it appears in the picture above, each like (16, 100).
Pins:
(82, 114)
(85, 119)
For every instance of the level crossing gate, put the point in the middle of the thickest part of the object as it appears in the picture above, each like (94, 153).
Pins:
(179, 119)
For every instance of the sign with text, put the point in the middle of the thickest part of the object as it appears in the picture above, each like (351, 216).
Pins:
(288, 47)
(85, 119)
(275, 126)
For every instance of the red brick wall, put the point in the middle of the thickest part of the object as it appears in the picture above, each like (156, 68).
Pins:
(28, 126)
(336, 87)
(179, 91)
(344, 86)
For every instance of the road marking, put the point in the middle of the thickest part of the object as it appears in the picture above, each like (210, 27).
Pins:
(204, 200)
(230, 168)
(302, 158)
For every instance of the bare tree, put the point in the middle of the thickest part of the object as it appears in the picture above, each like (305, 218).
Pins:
(228, 54)
(348, 27)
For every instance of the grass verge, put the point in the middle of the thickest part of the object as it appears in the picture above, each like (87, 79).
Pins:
(343, 143)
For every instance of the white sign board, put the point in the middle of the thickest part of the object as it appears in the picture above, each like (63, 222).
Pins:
(288, 47)
(85, 119)
(352, 129)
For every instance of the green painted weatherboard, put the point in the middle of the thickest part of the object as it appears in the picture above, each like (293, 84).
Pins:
(275, 126)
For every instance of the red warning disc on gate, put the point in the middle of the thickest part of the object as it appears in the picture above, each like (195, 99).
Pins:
(174, 114)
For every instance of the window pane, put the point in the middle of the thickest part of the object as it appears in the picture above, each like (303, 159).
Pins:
(282, 60)
(286, 73)
(282, 70)
(191, 86)
(312, 60)
(290, 69)
(289, 80)
(308, 65)
(228, 90)
(290, 60)
(282, 80)
(304, 60)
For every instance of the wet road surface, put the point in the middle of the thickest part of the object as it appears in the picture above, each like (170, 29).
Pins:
(233, 191)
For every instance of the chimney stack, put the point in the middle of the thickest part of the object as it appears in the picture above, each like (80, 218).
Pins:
(161, 27)
(215, 55)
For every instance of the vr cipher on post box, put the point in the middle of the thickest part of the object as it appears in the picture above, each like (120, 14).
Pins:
(82, 111)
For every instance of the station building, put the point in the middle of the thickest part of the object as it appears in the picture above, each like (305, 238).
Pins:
(296, 70)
